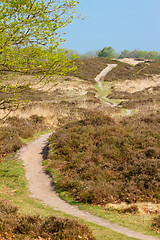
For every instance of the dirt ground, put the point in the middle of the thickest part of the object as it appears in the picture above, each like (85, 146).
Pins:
(132, 86)
(130, 61)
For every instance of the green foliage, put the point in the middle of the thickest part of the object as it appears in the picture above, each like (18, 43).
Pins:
(30, 40)
(34, 23)
(108, 52)
(100, 161)
(140, 54)
(30, 33)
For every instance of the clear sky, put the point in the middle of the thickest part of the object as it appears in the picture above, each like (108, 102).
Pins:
(122, 24)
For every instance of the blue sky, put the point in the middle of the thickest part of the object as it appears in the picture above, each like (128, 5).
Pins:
(122, 24)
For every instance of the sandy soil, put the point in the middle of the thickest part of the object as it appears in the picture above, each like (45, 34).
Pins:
(42, 189)
(132, 86)
(130, 61)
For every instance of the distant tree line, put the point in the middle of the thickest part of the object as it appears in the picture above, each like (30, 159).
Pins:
(111, 53)
(140, 54)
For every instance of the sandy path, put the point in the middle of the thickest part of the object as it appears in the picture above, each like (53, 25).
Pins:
(41, 188)
(104, 73)
(99, 79)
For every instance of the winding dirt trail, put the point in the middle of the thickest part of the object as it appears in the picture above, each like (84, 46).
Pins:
(104, 73)
(42, 189)
(99, 80)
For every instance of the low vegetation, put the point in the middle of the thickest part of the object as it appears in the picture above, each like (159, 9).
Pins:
(13, 187)
(150, 95)
(99, 161)
(156, 224)
(89, 68)
(15, 226)
(16, 129)
(96, 160)
(142, 70)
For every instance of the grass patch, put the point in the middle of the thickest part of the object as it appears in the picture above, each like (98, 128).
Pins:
(107, 89)
(105, 92)
(12, 176)
(145, 223)
(17, 194)
(36, 135)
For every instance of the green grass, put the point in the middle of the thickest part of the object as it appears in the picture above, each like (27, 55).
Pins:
(101, 233)
(12, 176)
(106, 92)
(123, 112)
(137, 222)
(107, 89)
(36, 135)
(13, 187)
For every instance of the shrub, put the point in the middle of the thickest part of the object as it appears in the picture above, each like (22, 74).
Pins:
(36, 227)
(98, 160)
(9, 140)
(26, 127)
(18, 128)
(156, 224)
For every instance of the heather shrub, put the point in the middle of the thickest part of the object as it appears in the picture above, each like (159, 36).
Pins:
(98, 160)
(17, 128)
(36, 227)
(156, 224)
(26, 127)
(9, 140)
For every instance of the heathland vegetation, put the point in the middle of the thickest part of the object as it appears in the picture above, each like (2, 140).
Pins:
(101, 158)
(99, 161)
(94, 158)
(29, 45)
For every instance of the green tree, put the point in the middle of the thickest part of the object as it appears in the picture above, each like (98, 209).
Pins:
(30, 39)
(140, 54)
(125, 54)
(108, 52)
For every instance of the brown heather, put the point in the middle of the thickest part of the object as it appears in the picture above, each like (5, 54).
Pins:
(99, 161)
(16, 227)
(16, 128)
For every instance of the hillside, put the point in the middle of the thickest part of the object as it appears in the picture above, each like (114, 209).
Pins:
(98, 154)
(99, 161)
